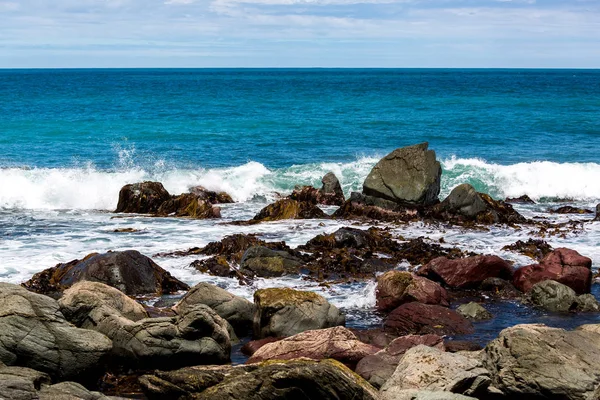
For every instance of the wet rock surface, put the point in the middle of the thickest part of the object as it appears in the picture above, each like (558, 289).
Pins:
(417, 318)
(395, 288)
(467, 272)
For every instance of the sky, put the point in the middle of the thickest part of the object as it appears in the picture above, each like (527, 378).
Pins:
(300, 33)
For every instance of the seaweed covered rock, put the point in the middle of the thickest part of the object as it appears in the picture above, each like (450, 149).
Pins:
(289, 209)
(142, 198)
(35, 334)
(362, 207)
(563, 265)
(217, 266)
(189, 205)
(273, 380)
(129, 271)
(264, 262)
(330, 194)
(282, 312)
(534, 248)
(464, 273)
(211, 196)
(409, 175)
(570, 210)
(524, 199)
(395, 288)
(421, 319)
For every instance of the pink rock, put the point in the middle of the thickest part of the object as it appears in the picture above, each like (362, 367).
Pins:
(395, 288)
(466, 272)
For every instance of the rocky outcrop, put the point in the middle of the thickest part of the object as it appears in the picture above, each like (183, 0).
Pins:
(266, 263)
(409, 175)
(563, 265)
(212, 197)
(282, 312)
(474, 311)
(238, 311)
(421, 319)
(534, 248)
(330, 194)
(142, 198)
(379, 367)
(395, 288)
(337, 343)
(295, 379)
(196, 336)
(537, 362)
(129, 271)
(35, 334)
(427, 368)
(289, 209)
(499, 288)
(520, 200)
(218, 266)
(188, 205)
(363, 207)
(464, 273)
(570, 210)
(556, 297)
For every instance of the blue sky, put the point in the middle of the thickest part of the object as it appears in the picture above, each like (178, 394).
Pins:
(300, 33)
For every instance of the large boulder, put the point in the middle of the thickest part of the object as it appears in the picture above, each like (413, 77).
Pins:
(556, 297)
(273, 380)
(129, 271)
(538, 362)
(465, 273)
(189, 205)
(562, 265)
(379, 367)
(464, 200)
(427, 368)
(409, 175)
(196, 336)
(395, 288)
(289, 209)
(266, 263)
(35, 334)
(337, 343)
(282, 312)
(421, 319)
(142, 198)
(238, 311)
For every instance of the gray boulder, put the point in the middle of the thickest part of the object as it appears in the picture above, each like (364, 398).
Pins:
(464, 200)
(538, 362)
(553, 296)
(587, 303)
(409, 176)
(474, 311)
(238, 311)
(266, 263)
(282, 312)
(35, 334)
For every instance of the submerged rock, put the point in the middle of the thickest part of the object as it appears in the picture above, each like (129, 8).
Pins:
(129, 271)
(263, 262)
(570, 210)
(142, 198)
(211, 196)
(464, 273)
(474, 312)
(417, 318)
(534, 248)
(289, 209)
(395, 288)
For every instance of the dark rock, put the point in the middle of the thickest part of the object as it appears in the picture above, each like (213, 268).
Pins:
(534, 248)
(218, 266)
(349, 237)
(189, 205)
(553, 296)
(597, 217)
(421, 319)
(499, 287)
(377, 336)
(563, 265)
(474, 312)
(264, 262)
(570, 210)
(331, 192)
(520, 200)
(142, 198)
(289, 209)
(409, 175)
(395, 288)
(129, 271)
(466, 272)
(252, 346)
(454, 346)
(234, 246)
(360, 206)
(210, 196)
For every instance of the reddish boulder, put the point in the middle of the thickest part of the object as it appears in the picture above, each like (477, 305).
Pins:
(395, 288)
(563, 265)
(465, 273)
(252, 346)
(421, 319)
(142, 198)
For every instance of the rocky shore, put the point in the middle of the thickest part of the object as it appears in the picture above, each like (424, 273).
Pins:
(118, 325)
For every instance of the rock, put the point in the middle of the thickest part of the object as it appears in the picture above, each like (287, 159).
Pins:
(142, 198)
(466, 272)
(35, 334)
(427, 368)
(474, 312)
(553, 296)
(196, 336)
(69, 391)
(264, 262)
(534, 248)
(317, 196)
(534, 361)
(217, 266)
(417, 318)
(409, 176)
(501, 288)
(283, 312)
(252, 346)
(464, 200)
(274, 380)
(520, 200)
(454, 346)
(238, 311)
(379, 367)
(570, 210)
(129, 271)
(419, 252)
(395, 288)
(348, 237)
(234, 246)
(331, 193)
(210, 196)
(362, 207)
(562, 265)
(413, 394)
(597, 217)
(188, 205)
(587, 303)
(289, 209)
(377, 337)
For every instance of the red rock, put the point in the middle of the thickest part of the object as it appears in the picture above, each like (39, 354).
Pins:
(563, 265)
(395, 288)
(469, 272)
(420, 319)
(252, 346)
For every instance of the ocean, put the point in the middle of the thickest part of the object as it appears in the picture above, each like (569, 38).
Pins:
(70, 139)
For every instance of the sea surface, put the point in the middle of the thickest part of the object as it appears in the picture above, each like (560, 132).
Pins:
(70, 139)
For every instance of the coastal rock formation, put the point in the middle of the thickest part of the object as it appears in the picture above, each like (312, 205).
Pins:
(535, 361)
(264, 262)
(520, 200)
(210, 196)
(474, 311)
(499, 288)
(188, 205)
(395, 288)
(534, 248)
(330, 194)
(421, 319)
(252, 346)
(273, 380)
(464, 273)
(217, 266)
(570, 210)
(409, 176)
(556, 297)
(35, 334)
(283, 312)
(427, 368)
(379, 367)
(562, 265)
(142, 198)
(337, 343)
(129, 271)
(289, 209)
(363, 207)
(238, 311)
